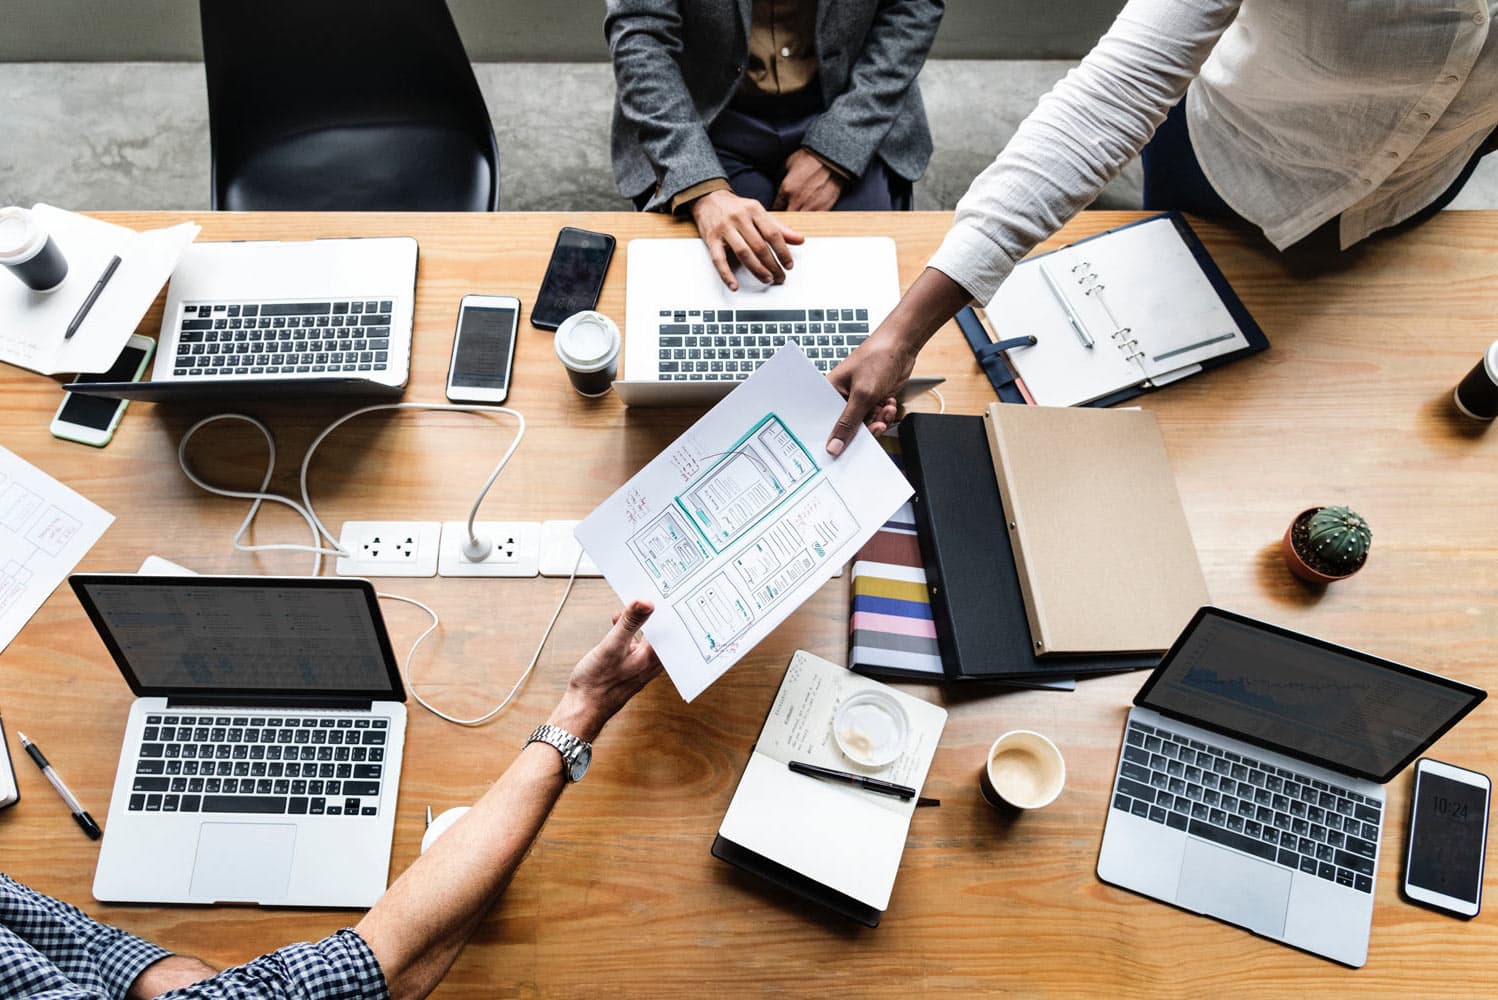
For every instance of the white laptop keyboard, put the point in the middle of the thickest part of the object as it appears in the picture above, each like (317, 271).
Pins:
(264, 764)
(1270, 812)
(725, 345)
(283, 338)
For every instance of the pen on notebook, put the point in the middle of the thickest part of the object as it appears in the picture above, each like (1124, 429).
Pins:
(93, 296)
(80, 814)
(858, 780)
(1071, 317)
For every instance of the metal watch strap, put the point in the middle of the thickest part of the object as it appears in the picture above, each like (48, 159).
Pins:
(565, 743)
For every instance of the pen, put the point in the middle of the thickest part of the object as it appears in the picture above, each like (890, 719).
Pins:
(867, 784)
(1071, 317)
(80, 814)
(429, 815)
(93, 296)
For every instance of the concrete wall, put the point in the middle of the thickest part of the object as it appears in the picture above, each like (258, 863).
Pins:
(511, 30)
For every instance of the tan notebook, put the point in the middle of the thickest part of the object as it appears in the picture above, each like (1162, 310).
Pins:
(1105, 559)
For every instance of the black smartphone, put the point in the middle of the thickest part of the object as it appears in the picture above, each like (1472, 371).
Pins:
(574, 277)
(1448, 838)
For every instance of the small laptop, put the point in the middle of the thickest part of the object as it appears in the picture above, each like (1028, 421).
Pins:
(262, 755)
(1250, 783)
(261, 319)
(689, 340)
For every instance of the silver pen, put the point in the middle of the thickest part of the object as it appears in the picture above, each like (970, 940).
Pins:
(1071, 317)
(80, 814)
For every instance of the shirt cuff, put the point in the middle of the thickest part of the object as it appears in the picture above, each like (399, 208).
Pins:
(845, 175)
(974, 261)
(682, 199)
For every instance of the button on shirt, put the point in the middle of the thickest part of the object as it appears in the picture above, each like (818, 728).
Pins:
(1299, 112)
(782, 47)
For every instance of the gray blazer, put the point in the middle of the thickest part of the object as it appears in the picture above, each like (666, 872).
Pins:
(678, 64)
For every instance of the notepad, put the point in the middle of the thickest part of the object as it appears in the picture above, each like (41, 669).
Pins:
(1100, 539)
(843, 840)
(1142, 296)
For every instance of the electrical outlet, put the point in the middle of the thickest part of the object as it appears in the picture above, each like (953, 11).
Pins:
(516, 551)
(389, 548)
(559, 551)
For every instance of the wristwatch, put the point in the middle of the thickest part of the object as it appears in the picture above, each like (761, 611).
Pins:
(576, 754)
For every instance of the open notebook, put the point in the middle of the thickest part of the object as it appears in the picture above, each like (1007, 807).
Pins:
(834, 844)
(1128, 310)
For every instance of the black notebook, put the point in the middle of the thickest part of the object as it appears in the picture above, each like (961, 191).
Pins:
(976, 600)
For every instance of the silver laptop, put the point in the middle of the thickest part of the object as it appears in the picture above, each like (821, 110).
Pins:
(689, 340)
(1250, 783)
(262, 754)
(257, 319)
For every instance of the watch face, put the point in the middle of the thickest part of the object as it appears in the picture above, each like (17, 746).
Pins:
(580, 763)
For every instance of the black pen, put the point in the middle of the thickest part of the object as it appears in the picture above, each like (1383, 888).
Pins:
(93, 296)
(859, 780)
(80, 814)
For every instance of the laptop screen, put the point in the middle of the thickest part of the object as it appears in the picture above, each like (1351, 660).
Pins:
(1314, 700)
(187, 636)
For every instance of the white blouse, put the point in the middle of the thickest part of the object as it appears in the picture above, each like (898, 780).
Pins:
(1298, 110)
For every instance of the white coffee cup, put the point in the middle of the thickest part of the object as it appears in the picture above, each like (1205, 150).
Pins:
(587, 344)
(28, 252)
(1024, 770)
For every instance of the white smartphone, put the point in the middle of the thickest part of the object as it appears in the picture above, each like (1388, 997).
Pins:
(483, 349)
(1448, 837)
(92, 419)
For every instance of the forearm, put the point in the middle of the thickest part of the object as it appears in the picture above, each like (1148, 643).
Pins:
(930, 301)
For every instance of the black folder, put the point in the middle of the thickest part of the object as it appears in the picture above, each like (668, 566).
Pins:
(975, 592)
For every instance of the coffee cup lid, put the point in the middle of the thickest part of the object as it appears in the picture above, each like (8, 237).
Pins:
(20, 236)
(1490, 361)
(587, 341)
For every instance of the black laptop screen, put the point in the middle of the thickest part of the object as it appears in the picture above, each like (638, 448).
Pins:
(182, 636)
(1314, 700)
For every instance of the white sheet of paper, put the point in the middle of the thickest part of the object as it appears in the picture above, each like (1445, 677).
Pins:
(742, 518)
(45, 529)
(32, 324)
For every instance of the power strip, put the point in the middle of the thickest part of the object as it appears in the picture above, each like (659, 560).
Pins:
(389, 548)
(559, 551)
(516, 552)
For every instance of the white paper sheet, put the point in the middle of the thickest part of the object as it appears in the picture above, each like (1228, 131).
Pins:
(32, 324)
(741, 519)
(45, 529)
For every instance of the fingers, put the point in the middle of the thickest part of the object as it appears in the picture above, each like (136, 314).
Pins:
(771, 231)
(720, 261)
(782, 199)
(756, 259)
(635, 615)
(847, 425)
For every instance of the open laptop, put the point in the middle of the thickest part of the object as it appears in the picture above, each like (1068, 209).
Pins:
(260, 319)
(1250, 783)
(689, 340)
(262, 754)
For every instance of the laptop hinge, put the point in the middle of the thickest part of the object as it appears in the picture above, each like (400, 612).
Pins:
(269, 701)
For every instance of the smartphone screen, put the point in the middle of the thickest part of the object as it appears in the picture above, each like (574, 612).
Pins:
(97, 412)
(573, 278)
(482, 354)
(1446, 842)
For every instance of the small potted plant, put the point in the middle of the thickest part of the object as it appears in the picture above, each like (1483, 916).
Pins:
(1326, 544)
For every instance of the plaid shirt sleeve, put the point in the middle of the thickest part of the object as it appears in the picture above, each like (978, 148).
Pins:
(339, 967)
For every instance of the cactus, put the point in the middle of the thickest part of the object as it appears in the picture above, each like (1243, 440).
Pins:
(1340, 538)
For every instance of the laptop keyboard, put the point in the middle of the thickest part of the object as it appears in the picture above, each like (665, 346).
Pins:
(261, 764)
(1270, 812)
(283, 338)
(726, 345)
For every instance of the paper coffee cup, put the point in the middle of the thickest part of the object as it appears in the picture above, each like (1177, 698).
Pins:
(1024, 770)
(28, 252)
(587, 344)
(1477, 394)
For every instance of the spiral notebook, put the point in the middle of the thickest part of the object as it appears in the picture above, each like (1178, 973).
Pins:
(1120, 313)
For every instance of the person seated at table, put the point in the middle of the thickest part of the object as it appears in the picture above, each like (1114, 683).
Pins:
(728, 109)
(406, 942)
(1319, 123)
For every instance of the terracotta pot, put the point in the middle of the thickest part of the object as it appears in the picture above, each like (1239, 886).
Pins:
(1299, 566)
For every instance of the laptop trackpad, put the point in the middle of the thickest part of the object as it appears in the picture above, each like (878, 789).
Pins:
(1240, 889)
(243, 861)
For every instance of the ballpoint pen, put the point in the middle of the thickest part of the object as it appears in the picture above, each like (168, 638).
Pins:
(80, 814)
(93, 296)
(1071, 317)
(858, 780)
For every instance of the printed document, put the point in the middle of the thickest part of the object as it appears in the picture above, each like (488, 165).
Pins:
(741, 519)
(45, 529)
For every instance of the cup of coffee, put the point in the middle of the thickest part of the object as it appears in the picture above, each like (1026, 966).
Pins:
(587, 343)
(1024, 770)
(1477, 394)
(28, 252)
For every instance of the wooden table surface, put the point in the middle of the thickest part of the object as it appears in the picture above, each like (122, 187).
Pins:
(620, 895)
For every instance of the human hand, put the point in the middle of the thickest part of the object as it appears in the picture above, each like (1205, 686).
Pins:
(809, 185)
(869, 378)
(729, 224)
(609, 675)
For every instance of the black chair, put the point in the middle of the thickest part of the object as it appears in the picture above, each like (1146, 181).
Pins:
(337, 105)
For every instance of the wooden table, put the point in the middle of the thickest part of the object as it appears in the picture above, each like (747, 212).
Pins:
(620, 895)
